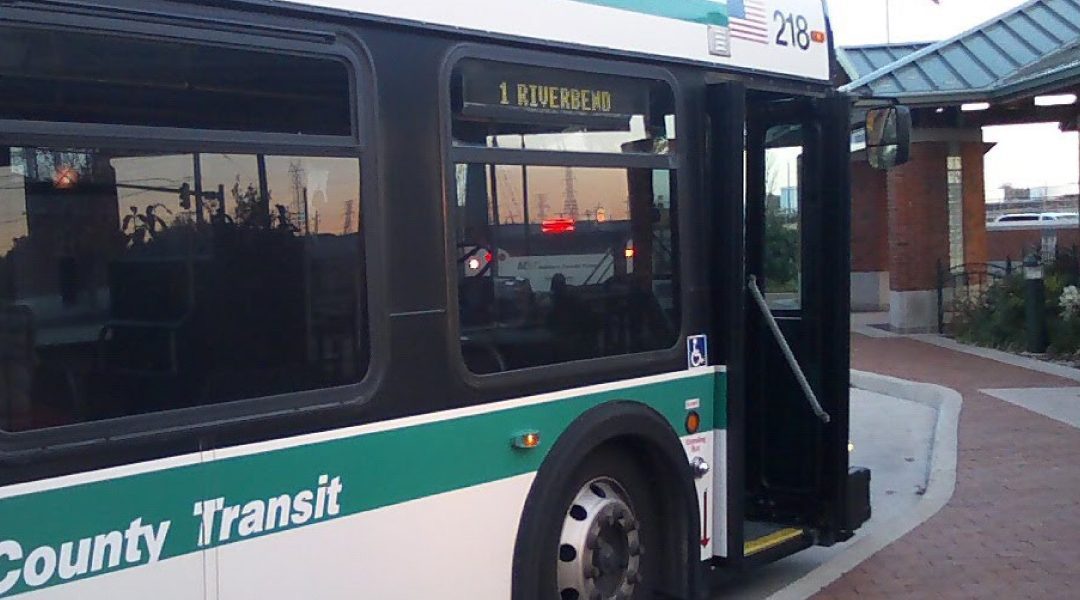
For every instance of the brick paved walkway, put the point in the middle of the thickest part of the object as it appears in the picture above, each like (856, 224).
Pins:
(1012, 529)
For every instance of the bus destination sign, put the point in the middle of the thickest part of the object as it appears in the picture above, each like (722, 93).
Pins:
(536, 95)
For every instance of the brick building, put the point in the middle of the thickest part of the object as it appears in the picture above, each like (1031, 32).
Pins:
(932, 210)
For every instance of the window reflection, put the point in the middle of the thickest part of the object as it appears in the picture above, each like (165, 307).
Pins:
(563, 263)
(136, 282)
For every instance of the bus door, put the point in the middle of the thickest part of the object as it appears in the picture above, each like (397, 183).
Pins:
(796, 336)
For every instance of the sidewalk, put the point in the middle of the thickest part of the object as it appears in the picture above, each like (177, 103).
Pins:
(894, 437)
(1012, 528)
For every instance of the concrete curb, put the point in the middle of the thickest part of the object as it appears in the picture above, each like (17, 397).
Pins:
(872, 332)
(1031, 364)
(941, 482)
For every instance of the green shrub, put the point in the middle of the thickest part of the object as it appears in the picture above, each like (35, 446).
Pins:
(1064, 337)
(997, 318)
(1065, 327)
(781, 251)
(994, 319)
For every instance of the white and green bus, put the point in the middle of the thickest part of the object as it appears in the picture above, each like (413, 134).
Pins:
(401, 299)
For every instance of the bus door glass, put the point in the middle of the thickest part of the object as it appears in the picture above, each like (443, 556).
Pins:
(781, 278)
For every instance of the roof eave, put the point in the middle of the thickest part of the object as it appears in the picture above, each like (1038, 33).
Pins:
(930, 99)
(1033, 85)
(1038, 84)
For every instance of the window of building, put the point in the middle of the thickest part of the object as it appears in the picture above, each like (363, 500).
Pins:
(134, 282)
(561, 261)
(72, 77)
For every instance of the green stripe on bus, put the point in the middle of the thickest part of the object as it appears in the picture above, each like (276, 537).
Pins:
(370, 471)
(706, 12)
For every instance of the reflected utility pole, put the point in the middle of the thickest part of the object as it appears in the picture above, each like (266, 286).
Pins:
(262, 218)
(347, 228)
(197, 174)
(300, 194)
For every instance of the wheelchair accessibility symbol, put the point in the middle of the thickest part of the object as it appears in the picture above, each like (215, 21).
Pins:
(697, 351)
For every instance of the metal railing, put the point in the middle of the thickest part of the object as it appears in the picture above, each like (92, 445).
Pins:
(964, 284)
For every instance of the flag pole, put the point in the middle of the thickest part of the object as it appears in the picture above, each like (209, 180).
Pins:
(888, 23)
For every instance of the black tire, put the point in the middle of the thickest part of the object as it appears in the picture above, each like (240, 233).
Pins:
(620, 467)
(636, 448)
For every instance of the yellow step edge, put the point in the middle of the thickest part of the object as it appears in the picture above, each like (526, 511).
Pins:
(770, 541)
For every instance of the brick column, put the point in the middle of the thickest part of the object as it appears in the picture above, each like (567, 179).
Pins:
(918, 236)
(869, 238)
(975, 240)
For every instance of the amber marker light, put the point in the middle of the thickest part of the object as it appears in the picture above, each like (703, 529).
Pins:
(693, 422)
(527, 440)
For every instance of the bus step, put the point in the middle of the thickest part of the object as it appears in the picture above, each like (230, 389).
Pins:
(766, 536)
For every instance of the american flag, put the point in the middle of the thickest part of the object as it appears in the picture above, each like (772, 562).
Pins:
(747, 20)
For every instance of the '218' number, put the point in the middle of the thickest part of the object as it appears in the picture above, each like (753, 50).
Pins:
(794, 30)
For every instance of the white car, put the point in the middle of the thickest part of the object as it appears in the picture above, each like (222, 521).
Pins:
(1027, 217)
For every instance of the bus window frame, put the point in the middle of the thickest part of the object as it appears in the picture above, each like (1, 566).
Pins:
(676, 162)
(190, 427)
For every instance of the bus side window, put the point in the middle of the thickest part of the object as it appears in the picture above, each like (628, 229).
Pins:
(558, 261)
(141, 281)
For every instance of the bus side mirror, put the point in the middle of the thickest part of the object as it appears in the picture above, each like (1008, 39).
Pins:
(888, 136)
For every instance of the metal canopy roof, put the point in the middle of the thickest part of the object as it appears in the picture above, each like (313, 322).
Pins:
(1033, 47)
(860, 61)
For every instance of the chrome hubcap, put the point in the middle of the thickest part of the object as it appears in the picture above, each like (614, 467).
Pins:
(600, 547)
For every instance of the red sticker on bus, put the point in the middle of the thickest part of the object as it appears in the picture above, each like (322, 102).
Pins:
(818, 37)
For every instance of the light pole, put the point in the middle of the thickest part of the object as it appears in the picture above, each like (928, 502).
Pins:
(1035, 304)
(888, 22)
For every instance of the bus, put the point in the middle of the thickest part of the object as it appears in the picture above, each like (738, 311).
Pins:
(406, 299)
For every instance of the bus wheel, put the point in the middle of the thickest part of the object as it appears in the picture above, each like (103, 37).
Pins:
(601, 550)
